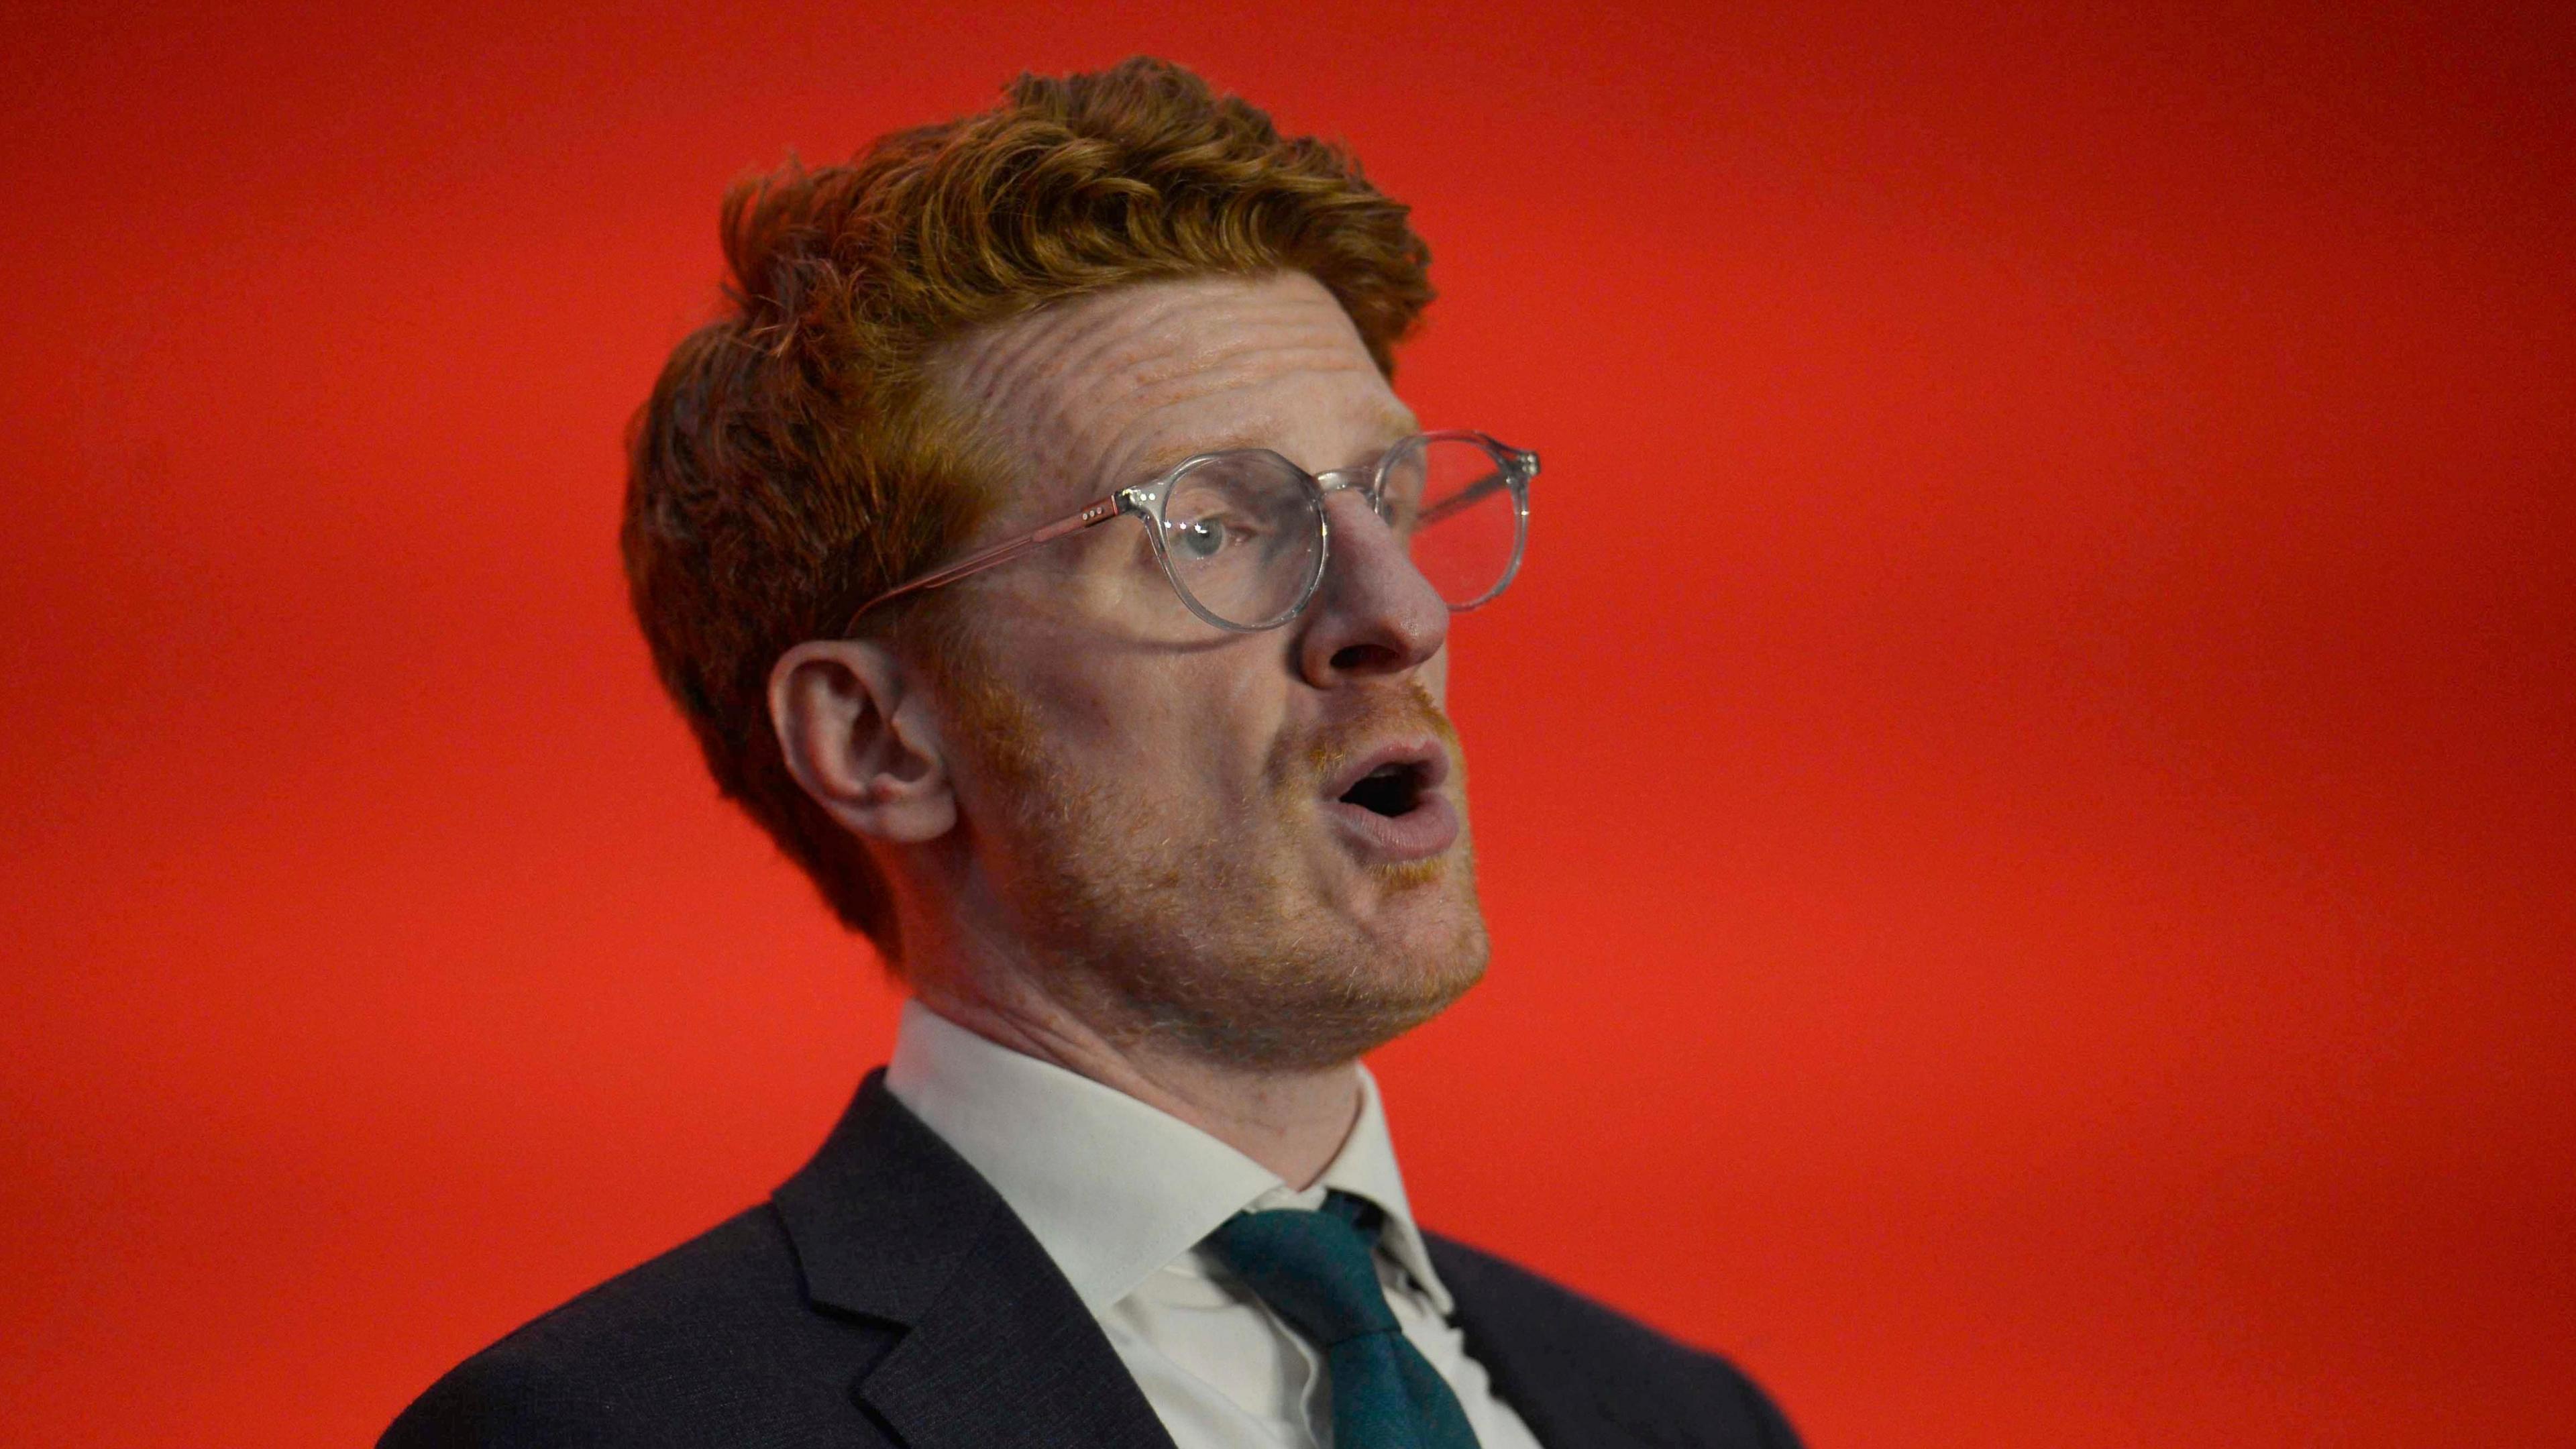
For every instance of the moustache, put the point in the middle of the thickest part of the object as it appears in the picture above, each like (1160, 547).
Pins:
(1379, 716)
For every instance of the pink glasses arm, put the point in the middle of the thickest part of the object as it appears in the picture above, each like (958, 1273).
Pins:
(984, 558)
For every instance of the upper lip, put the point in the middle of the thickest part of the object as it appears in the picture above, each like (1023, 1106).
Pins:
(1423, 755)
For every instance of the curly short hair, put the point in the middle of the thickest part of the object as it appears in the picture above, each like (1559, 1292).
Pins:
(793, 458)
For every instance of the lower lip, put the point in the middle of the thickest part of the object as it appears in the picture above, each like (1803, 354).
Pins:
(1427, 829)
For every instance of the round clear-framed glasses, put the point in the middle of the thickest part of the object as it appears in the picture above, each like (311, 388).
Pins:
(1244, 537)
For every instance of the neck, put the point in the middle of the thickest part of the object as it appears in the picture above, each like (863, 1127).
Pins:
(1292, 1122)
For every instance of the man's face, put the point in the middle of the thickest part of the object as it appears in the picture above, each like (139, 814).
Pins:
(1163, 814)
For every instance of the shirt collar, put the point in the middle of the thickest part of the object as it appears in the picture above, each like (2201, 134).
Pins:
(1114, 1189)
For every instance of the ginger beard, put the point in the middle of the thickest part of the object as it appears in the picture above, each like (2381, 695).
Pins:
(1211, 934)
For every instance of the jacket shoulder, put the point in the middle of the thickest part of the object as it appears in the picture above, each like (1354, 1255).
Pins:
(1554, 1353)
(711, 1342)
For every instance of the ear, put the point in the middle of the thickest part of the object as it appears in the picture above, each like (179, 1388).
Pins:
(862, 737)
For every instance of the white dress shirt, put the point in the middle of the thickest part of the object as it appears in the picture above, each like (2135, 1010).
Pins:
(1120, 1195)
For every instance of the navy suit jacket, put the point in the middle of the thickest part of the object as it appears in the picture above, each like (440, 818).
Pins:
(887, 1296)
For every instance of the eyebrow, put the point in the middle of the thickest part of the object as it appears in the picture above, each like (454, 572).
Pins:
(1397, 421)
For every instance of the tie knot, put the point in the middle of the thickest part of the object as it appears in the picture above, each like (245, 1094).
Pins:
(1318, 1270)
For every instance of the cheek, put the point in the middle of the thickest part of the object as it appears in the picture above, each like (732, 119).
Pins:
(1221, 748)
(1134, 694)
(1161, 721)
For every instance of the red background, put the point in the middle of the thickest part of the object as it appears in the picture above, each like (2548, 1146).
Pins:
(2027, 795)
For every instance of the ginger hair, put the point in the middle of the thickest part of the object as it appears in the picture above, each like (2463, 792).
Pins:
(794, 460)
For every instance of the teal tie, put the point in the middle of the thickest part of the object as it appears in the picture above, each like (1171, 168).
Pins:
(1315, 1270)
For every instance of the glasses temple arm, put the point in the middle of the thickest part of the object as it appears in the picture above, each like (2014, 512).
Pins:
(1500, 478)
(1098, 511)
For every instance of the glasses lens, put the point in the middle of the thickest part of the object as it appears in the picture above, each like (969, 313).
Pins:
(1243, 537)
(1451, 498)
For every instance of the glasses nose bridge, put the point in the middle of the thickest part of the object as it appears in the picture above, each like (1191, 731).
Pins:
(1367, 480)
(1362, 477)
(1378, 591)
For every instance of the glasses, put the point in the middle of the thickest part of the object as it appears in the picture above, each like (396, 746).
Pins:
(1243, 536)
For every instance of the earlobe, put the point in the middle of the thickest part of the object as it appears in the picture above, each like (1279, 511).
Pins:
(862, 739)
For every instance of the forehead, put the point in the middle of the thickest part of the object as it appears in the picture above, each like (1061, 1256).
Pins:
(1090, 395)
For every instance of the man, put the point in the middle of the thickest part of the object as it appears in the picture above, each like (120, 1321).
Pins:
(1042, 557)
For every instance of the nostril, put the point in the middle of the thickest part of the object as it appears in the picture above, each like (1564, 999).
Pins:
(1365, 659)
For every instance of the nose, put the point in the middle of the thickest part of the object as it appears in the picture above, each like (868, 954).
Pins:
(1373, 614)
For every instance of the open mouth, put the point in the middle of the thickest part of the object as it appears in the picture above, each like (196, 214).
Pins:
(1391, 790)
(1392, 807)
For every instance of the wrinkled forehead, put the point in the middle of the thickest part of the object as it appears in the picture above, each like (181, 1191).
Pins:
(1105, 391)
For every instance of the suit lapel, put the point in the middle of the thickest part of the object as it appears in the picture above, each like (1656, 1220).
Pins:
(995, 1348)
(1567, 1404)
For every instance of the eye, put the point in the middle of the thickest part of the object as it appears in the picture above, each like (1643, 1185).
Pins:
(1198, 539)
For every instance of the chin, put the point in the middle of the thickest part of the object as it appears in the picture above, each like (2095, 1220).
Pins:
(1263, 948)
(1312, 994)
(1426, 947)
